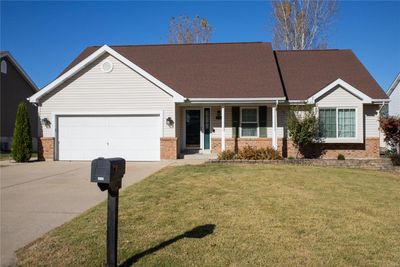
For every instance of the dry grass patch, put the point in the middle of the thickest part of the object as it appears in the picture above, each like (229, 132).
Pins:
(247, 215)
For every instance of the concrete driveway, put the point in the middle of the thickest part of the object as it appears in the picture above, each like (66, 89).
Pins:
(38, 196)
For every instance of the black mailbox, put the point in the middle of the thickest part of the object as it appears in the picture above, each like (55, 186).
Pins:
(108, 173)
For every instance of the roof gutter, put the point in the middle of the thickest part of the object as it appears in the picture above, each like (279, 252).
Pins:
(255, 100)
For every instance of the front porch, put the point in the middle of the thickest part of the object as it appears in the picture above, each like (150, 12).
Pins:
(206, 130)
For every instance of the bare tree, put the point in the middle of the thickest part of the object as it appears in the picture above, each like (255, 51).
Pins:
(186, 30)
(302, 24)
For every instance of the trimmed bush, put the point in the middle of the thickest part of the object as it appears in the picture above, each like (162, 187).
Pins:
(341, 157)
(268, 154)
(226, 155)
(22, 140)
(250, 153)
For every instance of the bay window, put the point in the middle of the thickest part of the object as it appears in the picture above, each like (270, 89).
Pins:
(249, 122)
(337, 122)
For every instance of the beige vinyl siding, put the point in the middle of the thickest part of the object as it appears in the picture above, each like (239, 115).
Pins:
(340, 97)
(281, 120)
(216, 128)
(371, 114)
(394, 104)
(122, 90)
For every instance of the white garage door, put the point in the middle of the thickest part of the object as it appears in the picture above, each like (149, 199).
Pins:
(129, 137)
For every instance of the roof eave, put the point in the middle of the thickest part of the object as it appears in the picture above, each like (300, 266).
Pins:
(227, 100)
(20, 69)
(102, 50)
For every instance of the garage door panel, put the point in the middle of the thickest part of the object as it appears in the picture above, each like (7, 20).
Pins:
(89, 137)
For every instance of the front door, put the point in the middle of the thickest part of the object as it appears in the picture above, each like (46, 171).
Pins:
(192, 120)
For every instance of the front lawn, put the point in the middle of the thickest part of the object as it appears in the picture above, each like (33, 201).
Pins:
(8, 156)
(5, 155)
(239, 215)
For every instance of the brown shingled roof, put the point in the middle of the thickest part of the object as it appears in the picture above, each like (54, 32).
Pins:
(306, 72)
(224, 70)
(246, 70)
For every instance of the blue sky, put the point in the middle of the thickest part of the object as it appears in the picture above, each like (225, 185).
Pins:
(46, 36)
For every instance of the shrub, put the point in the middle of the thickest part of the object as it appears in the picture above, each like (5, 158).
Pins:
(267, 154)
(251, 153)
(341, 157)
(226, 155)
(302, 125)
(290, 158)
(392, 154)
(391, 128)
(395, 160)
(248, 153)
(22, 140)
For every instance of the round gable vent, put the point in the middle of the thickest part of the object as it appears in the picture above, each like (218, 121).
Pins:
(107, 66)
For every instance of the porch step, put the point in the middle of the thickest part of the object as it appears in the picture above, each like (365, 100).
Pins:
(203, 156)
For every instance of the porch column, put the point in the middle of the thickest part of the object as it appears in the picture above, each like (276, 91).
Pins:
(274, 124)
(222, 128)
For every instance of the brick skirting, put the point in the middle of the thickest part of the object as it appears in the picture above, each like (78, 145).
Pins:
(238, 143)
(168, 148)
(368, 149)
(46, 148)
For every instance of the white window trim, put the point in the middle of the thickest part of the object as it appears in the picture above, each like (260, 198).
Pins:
(337, 123)
(4, 66)
(258, 123)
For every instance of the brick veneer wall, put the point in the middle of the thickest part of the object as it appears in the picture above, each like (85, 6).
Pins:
(168, 148)
(369, 149)
(46, 148)
(238, 143)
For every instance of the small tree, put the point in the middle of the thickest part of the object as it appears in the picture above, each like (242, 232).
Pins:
(22, 141)
(302, 24)
(302, 125)
(187, 30)
(391, 128)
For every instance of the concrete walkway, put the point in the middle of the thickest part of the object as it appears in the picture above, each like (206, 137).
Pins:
(39, 196)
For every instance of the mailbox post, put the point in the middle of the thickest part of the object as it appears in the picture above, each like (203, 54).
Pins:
(108, 173)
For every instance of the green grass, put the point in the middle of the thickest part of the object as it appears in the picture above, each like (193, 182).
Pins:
(262, 215)
(8, 156)
(5, 156)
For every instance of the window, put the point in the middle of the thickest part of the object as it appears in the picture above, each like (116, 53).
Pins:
(327, 122)
(249, 122)
(346, 123)
(337, 122)
(4, 66)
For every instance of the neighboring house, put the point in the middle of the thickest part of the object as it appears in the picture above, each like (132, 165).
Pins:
(152, 102)
(15, 87)
(394, 95)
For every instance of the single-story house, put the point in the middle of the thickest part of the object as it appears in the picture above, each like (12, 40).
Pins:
(394, 96)
(152, 102)
(15, 87)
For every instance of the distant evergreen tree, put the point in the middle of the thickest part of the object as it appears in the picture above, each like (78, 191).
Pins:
(22, 141)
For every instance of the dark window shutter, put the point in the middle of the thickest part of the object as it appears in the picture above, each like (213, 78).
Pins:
(262, 120)
(235, 121)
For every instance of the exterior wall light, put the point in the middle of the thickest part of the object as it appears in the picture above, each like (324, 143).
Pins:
(170, 122)
(46, 122)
